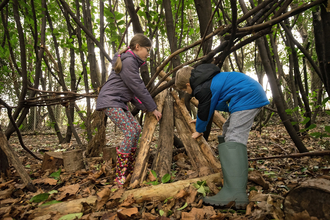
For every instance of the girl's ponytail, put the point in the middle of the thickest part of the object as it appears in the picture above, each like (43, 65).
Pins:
(118, 63)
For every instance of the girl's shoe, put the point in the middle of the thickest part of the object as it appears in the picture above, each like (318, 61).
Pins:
(122, 167)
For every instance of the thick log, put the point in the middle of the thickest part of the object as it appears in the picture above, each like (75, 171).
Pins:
(217, 118)
(14, 160)
(52, 161)
(206, 149)
(73, 206)
(194, 152)
(311, 198)
(146, 138)
(163, 191)
(73, 160)
(163, 159)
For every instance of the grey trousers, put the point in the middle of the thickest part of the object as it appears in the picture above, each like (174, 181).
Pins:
(238, 126)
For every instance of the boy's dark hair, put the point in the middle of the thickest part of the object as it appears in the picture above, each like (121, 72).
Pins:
(140, 39)
(182, 77)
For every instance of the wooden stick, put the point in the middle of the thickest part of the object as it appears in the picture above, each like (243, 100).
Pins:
(163, 159)
(197, 159)
(207, 151)
(146, 138)
(16, 163)
(315, 153)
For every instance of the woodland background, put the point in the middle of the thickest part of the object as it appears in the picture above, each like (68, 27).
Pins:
(55, 56)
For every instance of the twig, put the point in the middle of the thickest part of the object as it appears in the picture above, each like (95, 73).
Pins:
(16, 129)
(315, 153)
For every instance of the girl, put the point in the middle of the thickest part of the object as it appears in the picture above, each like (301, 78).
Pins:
(125, 85)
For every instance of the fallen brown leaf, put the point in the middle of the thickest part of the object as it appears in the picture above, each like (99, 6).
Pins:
(49, 181)
(67, 190)
(128, 212)
(192, 192)
(102, 198)
(128, 201)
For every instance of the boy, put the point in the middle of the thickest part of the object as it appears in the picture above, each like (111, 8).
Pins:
(242, 97)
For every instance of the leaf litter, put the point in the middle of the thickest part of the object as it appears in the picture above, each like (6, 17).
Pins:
(91, 194)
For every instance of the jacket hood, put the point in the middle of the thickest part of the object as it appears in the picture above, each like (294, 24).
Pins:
(128, 53)
(203, 73)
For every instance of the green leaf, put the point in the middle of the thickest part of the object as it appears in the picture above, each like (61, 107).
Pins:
(312, 126)
(154, 173)
(56, 174)
(52, 192)
(28, 166)
(166, 178)
(168, 199)
(307, 119)
(51, 202)
(183, 207)
(71, 216)
(40, 198)
(161, 212)
(202, 190)
(327, 129)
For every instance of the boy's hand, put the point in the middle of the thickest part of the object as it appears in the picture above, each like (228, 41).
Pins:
(193, 121)
(196, 135)
(157, 114)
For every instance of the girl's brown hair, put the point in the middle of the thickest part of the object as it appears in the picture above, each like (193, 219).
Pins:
(140, 39)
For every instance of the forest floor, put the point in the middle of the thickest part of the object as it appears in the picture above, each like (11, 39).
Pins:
(269, 179)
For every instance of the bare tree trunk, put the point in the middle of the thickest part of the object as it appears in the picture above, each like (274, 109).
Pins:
(204, 12)
(277, 95)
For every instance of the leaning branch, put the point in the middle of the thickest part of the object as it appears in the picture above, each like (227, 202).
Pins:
(16, 129)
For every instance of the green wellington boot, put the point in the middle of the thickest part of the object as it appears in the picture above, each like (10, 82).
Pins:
(234, 163)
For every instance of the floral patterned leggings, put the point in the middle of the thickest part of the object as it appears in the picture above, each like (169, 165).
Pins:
(129, 126)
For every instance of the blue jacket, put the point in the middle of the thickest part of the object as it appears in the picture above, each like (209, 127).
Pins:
(223, 91)
(127, 86)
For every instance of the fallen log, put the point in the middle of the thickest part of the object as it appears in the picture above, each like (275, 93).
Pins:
(14, 160)
(315, 153)
(217, 118)
(73, 206)
(193, 150)
(163, 191)
(310, 199)
(206, 149)
(163, 159)
(146, 138)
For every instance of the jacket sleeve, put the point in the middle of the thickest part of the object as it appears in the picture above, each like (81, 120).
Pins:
(135, 101)
(131, 77)
(205, 110)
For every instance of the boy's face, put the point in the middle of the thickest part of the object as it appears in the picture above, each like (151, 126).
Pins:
(188, 89)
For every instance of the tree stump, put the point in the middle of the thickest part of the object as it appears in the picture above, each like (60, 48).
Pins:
(312, 196)
(109, 152)
(163, 160)
(52, 161)
(73, 160)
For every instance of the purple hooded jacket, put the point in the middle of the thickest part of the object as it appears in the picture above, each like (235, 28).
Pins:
(127, 86)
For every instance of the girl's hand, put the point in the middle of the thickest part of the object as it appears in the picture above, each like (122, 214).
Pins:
(157, 114)
(193, 121)
(196, 135)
